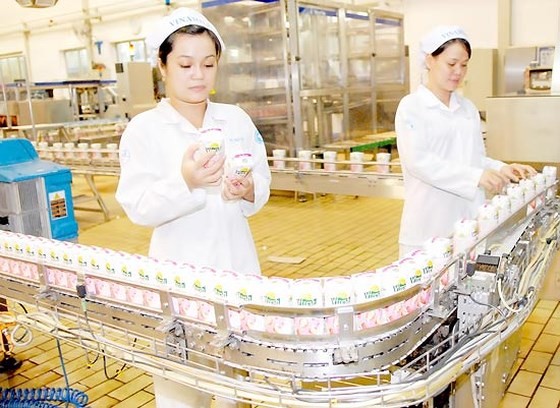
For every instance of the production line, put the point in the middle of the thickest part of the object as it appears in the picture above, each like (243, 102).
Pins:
(440, 324)
(308, 175)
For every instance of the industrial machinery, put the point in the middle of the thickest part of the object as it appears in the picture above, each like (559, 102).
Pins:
(135, 88)
(35, 195)
(437, 327)
(311, 72)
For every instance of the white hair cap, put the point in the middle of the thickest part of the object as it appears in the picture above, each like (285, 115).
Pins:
(439, 36)
(180, 17)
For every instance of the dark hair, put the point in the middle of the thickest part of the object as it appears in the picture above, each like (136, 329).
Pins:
(167, 45)
(446, 44)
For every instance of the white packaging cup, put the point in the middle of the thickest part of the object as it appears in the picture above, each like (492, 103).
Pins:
(540, 182)
(58, 150)
(251, 289)
(383, 159)
(224, 286)
(304, 155)
(69, 150)
(528, 187)
(83, 150)
(113, 149)
(503, 204)
(279, 154)
(96, 150)
(516, 197)
(330, 159)
(277, 292)
(212, 140)
(465, 235)
(367, 286)
(439, 250)
(488, 218)
(549, 174)
(44, 151)
(339, 291)
(393, 279)
(410, 268)
(357, 159)
(307, 293)
(240, 165)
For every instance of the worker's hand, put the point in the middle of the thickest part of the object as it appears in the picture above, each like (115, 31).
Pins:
(239, 188)
(493, 181)
(516, 171)
(202, 169)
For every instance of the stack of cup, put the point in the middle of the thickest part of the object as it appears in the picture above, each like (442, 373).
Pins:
(113, 149)
(57, 150)
(303, 156)
(83, 150)
(69, 150)
(96, 151)
(465, 236)
(357, 160)
(330, 160)
(44, 151)
(279, 156)
(383, 159)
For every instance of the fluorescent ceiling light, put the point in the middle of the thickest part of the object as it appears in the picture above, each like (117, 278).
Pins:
(37, 3)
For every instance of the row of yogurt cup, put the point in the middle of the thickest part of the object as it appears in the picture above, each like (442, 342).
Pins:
(530, 193)
(330, 161)
(207, 283)
(82, 150)
(136, 279)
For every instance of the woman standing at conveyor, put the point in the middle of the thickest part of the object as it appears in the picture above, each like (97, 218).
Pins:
(445, 167)
(178, 168)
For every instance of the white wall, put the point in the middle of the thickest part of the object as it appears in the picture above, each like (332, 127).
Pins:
(534, 22)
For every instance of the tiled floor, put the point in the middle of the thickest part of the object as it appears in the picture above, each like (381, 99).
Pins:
(334, 235)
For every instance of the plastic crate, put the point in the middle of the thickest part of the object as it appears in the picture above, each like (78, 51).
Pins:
(31, 223)
(22, 196)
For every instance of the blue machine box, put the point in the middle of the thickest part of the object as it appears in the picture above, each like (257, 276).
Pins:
(35, 194)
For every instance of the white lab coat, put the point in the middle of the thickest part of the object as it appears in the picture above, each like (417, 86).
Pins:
(443, 157)
(198, 226)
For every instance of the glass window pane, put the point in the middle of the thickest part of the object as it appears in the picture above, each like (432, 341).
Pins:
(77, 63)
(134, 50)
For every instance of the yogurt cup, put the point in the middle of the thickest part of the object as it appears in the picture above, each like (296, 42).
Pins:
(279, 155)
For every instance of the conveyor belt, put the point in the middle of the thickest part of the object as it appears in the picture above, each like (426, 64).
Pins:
(395, 362)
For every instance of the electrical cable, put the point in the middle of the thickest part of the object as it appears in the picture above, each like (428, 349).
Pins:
(41, 397)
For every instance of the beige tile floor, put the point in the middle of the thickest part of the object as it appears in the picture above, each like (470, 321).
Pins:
(334, 235)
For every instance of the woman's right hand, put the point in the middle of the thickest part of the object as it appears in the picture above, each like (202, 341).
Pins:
(202, 170)
(493, 181)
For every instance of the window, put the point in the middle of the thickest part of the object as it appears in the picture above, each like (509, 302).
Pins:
(12, 68)
(134, 50)
(77, 63)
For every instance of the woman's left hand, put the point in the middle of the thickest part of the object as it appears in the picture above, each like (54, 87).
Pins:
(516, 171)
(239, 188)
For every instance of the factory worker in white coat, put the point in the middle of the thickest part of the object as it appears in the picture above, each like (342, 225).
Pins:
(439, 139)
(178, 168)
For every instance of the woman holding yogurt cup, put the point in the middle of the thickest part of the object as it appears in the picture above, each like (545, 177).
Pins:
(445, 167)
(178, 172)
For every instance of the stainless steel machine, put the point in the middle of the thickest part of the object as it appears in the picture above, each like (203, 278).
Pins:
(135, 88)
(311, 72)
(438, 328)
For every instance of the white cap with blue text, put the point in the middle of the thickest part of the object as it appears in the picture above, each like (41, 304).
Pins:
(180, 17)
(439, 36)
